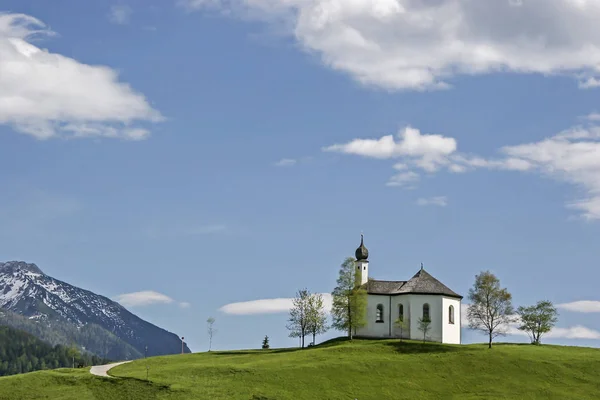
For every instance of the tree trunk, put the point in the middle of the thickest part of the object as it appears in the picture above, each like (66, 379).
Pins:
(314, 335)
(490, 342)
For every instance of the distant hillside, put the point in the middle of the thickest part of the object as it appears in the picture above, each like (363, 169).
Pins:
(336, 370)
(103, 326)
(21, 352)
(91, 337)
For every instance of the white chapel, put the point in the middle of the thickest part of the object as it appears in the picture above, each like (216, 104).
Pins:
(422, 296)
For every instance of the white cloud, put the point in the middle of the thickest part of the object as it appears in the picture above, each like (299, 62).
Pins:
(403, 179)
(573, 332)
(590, 83)
(572, 156)
(593, 117)
(440, 201)
(144, 298)
(286, 162)
(267, 306)
(120, 14)
(184, 304)
(583, 306)
(425, 148)
(47, 95)
(422, 44)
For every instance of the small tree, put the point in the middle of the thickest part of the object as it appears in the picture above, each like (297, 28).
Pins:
(491, 309)
(211, 331)
(402, 324)
(265, 343)
(424, 326)
(538, 319)
(298, 321)
(317, 316)
(349, 307)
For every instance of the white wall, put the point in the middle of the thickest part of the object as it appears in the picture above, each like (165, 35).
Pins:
(451, 332)
(403, 299)
(435, 311)
(362, 271)
(440, 330)
(376, 329)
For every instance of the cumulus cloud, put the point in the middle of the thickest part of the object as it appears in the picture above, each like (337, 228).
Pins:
(120, 14)
(47, 95)
(423, 44)
(267, 306)
(144, 298)
(572, 156)
(440, 201)
(583, 306)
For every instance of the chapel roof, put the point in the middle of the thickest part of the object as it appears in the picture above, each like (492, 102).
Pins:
(421, 283)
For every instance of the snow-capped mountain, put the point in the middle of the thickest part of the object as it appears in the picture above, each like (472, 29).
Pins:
(26, 290)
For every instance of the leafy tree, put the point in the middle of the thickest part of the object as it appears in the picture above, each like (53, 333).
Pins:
(538, 319)
(491, 308)
(298, 321)
(349, 300)
(424, 325)
(401, 323)
(265, 343)
(211, 331)
(316, 315)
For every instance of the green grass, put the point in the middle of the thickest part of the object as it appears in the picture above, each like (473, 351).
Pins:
(362, 369)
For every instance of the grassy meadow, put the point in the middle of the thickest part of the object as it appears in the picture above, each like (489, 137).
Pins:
(339, 369)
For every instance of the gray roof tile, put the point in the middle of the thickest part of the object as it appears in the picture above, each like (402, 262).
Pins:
(422, 282)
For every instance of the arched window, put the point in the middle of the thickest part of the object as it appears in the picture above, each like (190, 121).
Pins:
(379, 313)
(401, 312)
(426, 312)
(451, 314)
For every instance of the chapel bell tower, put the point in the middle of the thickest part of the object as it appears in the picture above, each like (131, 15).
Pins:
(362, 263)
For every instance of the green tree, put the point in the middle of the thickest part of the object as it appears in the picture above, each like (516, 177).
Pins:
(491, 308)
(316, 315)
(298, 320)
(265, 343)
(349, 300)
(538, 319)
(424, 325)
(401, 323)
(210, 322)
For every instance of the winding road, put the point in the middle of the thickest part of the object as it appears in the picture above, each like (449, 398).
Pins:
(101, 370)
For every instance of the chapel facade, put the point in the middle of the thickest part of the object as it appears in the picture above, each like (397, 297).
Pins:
(422, 296)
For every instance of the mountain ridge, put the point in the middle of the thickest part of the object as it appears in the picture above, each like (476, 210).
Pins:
(26, 290)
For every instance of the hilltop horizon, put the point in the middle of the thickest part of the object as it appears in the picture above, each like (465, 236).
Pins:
(192, 159)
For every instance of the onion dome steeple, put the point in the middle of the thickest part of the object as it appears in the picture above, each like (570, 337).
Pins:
(361, 253)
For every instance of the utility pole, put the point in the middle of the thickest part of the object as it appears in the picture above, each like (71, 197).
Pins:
(182, 345)
(145, 355)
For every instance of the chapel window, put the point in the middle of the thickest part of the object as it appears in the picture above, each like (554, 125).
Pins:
(379, 313)
(451, 314)
(401, 312)
(426, 312)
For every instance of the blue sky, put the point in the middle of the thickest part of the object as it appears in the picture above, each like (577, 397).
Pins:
(205, 153)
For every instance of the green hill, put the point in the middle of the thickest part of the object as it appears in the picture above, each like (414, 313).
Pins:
(362, 369)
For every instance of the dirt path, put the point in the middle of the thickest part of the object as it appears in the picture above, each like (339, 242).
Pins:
(101, 370)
